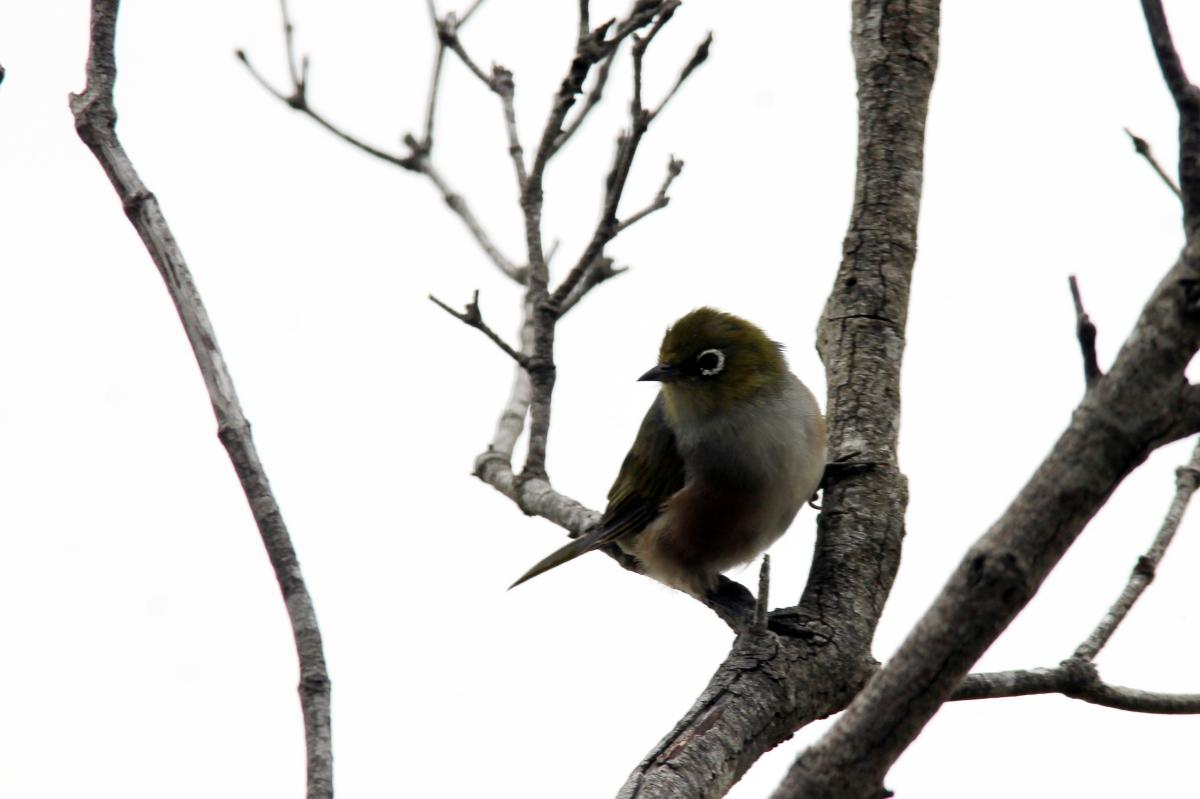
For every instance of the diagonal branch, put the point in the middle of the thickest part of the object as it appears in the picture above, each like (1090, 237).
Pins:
(1187, 478)
(1142, 148)
(95, 119)
(473, 318)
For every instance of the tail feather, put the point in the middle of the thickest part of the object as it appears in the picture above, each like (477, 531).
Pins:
(567, 552)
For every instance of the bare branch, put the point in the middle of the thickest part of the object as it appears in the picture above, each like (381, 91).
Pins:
(447, 31)
(502, 83)
(585, 25)
(1164, 50)
(594, 96)
(469, 12)
(608, 226)
(458, 204)
(473, 318)
(1076, 679)
(601, 270)
(590, 50)
(698, 58)
(298, 100)
(95, 118)
(1187, 478)
(1142, 148)
(1085, 331)
(661, 200)
(762, 603)
(419, 158)
(1187, 102)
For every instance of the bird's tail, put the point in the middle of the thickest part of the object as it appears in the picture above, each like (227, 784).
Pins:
(569, 551)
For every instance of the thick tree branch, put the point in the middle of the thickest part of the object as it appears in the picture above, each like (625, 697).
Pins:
(817, 655)
(1126, 415)
(95, 120)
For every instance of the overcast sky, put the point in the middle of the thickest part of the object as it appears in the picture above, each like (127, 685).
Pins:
(146, 649)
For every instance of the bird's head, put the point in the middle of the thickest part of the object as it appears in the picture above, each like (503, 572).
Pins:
(711, 362)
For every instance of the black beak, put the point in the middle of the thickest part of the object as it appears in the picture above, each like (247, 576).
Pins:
(663, 373)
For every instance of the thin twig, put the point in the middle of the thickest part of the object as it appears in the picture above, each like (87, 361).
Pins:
(419, 158)
(601, 270)
(661, 200)
(588, 52)
(1076, 679)
(298, 100)
(1085, 331)
(459, 205)
(469, 12)
(594, 96)
(448, 37)
(1187, 478)
(764, 595)
(1142, 148)
(95, 117)
(585, 25)
(698, 58)
(473, 318)
(289, 36)
(608, 226)
(502, 83)
(1187, 103)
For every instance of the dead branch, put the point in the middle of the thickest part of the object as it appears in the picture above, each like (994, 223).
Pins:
(95, 120)
(1142, 148)
(420, 156)
(1085, 331)
(1146, 391)
(473, 318)
(1187, 478)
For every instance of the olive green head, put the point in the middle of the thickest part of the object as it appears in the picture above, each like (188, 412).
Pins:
(710, 361)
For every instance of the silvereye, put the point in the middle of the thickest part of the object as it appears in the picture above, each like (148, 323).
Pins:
(730, 449)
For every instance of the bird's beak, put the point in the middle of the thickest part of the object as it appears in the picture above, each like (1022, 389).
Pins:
(663, 373)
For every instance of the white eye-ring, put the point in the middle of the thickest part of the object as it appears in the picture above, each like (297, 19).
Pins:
(710, 362)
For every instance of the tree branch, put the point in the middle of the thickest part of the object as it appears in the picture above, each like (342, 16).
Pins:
(1142, 148)
(1124, 417)
(818, 654)
(419, 159)
(1085, 331)
(640, 119)
(1187, 478)
(1187, 102)
(674, 167)
(473, 318)
(95, 119)
(1076, 679)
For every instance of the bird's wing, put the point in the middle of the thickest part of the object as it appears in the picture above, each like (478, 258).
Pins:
(652, 471)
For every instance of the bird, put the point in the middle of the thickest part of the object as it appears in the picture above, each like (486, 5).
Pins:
(729, 450)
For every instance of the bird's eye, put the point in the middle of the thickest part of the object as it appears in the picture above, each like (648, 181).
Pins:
(710, 362)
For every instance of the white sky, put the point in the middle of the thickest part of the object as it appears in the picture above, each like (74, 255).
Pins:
(146, 651)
